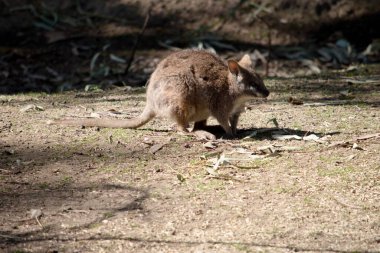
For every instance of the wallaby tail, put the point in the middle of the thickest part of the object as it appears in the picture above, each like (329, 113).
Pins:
(140, 120)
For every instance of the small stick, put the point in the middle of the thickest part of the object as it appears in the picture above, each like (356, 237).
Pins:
(269, 45)
(147, 17)
(345, 204)
(10, 237)
(39, 223)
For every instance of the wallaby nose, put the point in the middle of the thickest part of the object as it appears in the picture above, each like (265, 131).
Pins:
(266, 93)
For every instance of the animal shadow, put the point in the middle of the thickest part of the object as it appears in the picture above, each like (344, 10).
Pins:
(263, 133)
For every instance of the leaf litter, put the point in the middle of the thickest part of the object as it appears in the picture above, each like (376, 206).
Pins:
(242, 157)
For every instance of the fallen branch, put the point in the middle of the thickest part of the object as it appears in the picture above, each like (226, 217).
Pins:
(131, 58)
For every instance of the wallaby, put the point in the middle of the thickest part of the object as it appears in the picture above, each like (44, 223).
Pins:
(190, 86)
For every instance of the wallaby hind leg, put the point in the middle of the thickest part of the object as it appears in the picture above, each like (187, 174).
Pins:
(178, 114)
(224, 122)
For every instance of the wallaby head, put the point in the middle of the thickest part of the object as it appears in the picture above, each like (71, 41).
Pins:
(245, 79)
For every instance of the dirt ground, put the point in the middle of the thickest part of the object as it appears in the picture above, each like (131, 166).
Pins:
(72, 189)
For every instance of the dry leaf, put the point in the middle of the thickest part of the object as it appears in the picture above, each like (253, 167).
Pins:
(148, 141)
(113, 111)
(95, 115)
(250, 136)
(209, 145)
(117, 59)
(355, 146)
(344, 144)
(181, 178)
(295, 101)
(204, 135)
(27, 108)
(368, 136)
(31, 107)
(283, 137)
(311, 137)
(266, 149)
(156, 148)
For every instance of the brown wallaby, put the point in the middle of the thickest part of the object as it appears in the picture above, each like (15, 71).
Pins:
(190, 86)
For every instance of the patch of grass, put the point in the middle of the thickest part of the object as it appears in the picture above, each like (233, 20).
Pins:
(254, 164)
(19, 251)
(35, 94)
(308, 201)
(287, 189)
(44, 185)
(121, 134)
(108, 215)
(140, 164)
(335, 172)
(296, 126)
(210, 185)
(4, 189)
(66, 180)
(241, 247)
(94, 225)
(328, 159)
(126, 170)
(108, 168)
(94, 137)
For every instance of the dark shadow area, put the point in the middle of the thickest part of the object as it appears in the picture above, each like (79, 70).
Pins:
(77, 154)
(81, 207)
(295, 248)
(262, 133)
(51, 47)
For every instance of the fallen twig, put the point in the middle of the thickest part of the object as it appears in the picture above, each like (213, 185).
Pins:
(10, 237)
(38, 221)
(345, 204)
(367, 136)
(228, 178)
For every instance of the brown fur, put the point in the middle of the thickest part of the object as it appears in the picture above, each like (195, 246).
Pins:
(190, 86)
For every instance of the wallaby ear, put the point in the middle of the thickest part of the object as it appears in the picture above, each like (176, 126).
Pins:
(233, 66)
(245, 61)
